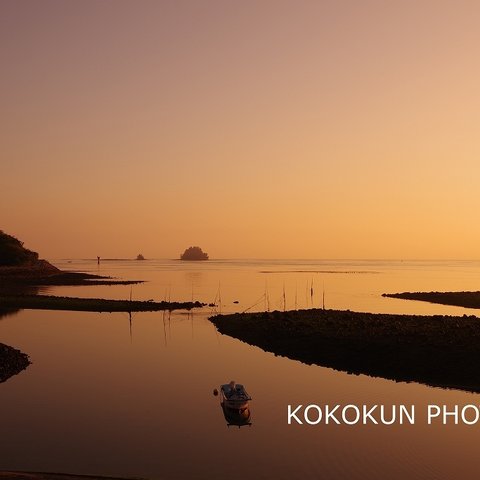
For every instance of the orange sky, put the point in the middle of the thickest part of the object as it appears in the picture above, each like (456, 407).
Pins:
(276, 129)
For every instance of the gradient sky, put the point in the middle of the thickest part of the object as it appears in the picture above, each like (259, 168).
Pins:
(275, 129)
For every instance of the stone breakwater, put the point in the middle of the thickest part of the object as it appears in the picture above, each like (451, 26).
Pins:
(436, 350)
(458, 299)
(12, 361)
(48, 302)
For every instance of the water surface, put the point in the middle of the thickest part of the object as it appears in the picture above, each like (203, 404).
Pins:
(113, 395)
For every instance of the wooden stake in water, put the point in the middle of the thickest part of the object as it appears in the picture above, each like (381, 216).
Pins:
(267, 298)
(295, 296)
(219, 299)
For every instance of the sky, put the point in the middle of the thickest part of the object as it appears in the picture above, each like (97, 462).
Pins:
(254, 129)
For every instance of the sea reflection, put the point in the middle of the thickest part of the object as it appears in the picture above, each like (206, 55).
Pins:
(5, 312)
(131, 396)
(237, 418)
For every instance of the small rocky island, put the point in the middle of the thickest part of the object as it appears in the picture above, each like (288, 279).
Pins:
(140, 257)
(194, 253)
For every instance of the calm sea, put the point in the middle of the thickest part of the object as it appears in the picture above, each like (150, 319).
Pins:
(111, 394)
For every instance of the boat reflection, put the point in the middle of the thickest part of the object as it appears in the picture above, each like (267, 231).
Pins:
(237, 418)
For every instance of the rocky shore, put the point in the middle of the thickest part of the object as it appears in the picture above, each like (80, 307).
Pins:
(46, 274)
(48, 302)
(458, 299)
(12, 361)
(434, 350)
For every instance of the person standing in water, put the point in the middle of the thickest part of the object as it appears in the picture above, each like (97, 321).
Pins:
(98, 260)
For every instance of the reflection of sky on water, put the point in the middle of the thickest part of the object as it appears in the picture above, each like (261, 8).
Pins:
(111, 395)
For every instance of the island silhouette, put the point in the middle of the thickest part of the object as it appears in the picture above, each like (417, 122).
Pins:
(194, 253)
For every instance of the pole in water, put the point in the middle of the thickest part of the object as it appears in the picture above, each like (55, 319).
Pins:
(311, 292)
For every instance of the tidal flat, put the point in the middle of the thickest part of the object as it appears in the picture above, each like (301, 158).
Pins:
(440, 351)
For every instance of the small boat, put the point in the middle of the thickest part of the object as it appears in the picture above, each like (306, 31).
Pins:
(234, 396)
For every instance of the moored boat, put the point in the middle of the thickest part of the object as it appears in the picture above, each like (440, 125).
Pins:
(234, 396)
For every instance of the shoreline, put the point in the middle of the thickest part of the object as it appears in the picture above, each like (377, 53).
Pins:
(38, 277)
(17, 475)
(456, 299)
(12, 362)
(48, 302)
(439, 351)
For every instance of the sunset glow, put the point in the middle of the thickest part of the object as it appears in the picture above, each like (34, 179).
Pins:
(269, 129)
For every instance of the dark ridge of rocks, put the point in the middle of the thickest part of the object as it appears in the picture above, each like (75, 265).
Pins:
(435, 350)
(12, 361)
(47, 302)
(24, 276)
(458, 299)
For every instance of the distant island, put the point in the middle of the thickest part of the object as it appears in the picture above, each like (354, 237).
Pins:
(194, 253)
(140, 257)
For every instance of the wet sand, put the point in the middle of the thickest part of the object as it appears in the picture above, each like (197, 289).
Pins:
(436, 350)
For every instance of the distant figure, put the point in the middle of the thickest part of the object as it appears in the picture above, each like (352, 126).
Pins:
(98, 260)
